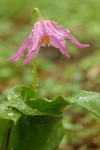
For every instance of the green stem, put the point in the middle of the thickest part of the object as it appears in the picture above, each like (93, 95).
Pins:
(34, 77)
(36, 15)
(36, 11)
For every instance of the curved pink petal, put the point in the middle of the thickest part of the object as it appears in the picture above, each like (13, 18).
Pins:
(37, 36)
(75, 42)
(50, 32)
(65, 32)
(46, 32)
(20, 51)
(32, 43)
(56, 31)
(61, 45)
(33, 49)
(31, 56)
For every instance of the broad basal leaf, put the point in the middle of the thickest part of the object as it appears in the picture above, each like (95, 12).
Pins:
(9, 113)
(36, 133)
(39, 127)
(49, 107)
(21, 98)
(86, 99)
(18, 97)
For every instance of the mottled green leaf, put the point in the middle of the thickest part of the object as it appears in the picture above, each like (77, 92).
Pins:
(9, 113)
(4, 125)
(21, 98)
(18, 97)
(86, 99)
(36, 133)
(40, 125)
(49, 107)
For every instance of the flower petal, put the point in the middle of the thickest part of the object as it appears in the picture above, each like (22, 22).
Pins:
(59, 44)
(55, 30)
(50, 32)
(31, 56)
(37, 36)
(20, 51)
(33, 49)
(60, 29)
(75, 42)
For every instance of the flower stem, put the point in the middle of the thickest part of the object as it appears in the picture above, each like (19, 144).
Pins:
(34, 77)
(36, 10)
(36, 15)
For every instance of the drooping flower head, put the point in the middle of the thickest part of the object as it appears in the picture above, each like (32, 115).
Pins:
(45, 33)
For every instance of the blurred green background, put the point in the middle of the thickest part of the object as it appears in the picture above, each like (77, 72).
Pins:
(56, 74)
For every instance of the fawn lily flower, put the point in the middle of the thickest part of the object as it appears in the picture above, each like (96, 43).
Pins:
(45, 33)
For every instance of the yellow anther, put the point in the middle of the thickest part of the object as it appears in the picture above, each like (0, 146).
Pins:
(45, 40)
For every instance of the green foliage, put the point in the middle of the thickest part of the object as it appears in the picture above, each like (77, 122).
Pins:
(9, 113)
(39, 133)
(18, 98)
(88, 100)
(21, 98)
(4, 127)
(39, 124)
(45, 129)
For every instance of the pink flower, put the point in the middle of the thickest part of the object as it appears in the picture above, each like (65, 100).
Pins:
(45, 33)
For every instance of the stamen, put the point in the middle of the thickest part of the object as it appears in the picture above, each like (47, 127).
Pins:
(45, 40)
(42, 41)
